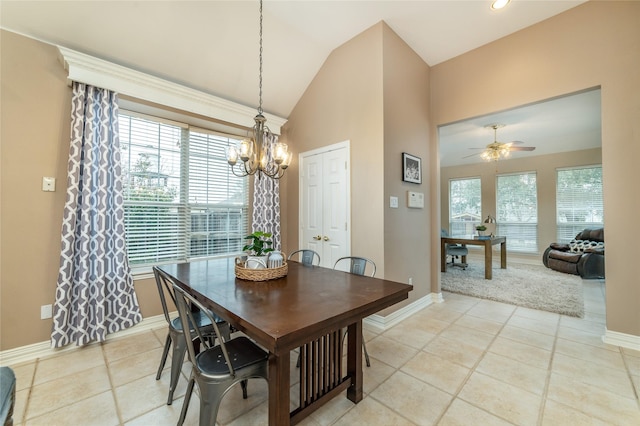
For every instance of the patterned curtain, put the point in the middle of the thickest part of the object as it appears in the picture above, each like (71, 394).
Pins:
(266, 201)
(94, 294)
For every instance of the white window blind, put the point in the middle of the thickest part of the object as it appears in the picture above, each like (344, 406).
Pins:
(465, 205)
(181, 201)
(517, 211)
(578, 201)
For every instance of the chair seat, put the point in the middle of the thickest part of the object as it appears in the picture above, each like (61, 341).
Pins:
(199, 317)
(566, 256)
(242, 352)
(457, 251)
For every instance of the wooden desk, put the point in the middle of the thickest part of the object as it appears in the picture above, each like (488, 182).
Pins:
(488, 253)
(307, 309)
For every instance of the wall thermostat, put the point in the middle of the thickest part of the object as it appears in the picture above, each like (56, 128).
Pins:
(415, 200)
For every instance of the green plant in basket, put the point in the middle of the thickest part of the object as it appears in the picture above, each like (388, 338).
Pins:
(259, 245)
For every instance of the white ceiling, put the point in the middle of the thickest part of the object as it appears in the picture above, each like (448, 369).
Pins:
(212, 46)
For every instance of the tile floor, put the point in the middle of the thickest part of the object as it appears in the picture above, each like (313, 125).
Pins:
(465, 361)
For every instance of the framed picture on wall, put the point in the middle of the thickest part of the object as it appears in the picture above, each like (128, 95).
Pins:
(411, 168)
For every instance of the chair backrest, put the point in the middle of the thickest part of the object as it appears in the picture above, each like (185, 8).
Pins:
(358, 265)
(307, 256)
(185, 303)
(164, 283)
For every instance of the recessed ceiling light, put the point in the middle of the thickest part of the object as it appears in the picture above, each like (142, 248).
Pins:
(499, 4)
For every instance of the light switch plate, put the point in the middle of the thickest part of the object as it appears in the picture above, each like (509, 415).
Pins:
(393, 202)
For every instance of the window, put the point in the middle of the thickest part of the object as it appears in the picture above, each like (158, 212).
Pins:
(578, 201)
(517, 211)
(181, 201)
(465, 205)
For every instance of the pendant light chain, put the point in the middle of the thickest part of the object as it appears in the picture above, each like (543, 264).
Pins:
(260, 73)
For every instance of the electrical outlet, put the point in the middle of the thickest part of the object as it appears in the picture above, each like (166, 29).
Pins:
(410, 280)
(46, 311)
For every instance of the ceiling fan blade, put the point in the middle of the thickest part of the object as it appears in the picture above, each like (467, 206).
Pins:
(522, 148)
(472, 155)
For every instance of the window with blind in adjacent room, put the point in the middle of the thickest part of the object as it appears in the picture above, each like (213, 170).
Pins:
(465, 205)
(578, 201)
(517, 211)
(181, 201)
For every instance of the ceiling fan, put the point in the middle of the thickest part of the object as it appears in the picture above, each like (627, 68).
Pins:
(497, 150)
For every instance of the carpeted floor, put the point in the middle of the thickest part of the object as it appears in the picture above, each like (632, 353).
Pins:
(530, 286)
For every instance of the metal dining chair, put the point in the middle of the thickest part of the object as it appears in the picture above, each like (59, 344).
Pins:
(217, 368)
(358, 266)
(175, 335)
(307, 256)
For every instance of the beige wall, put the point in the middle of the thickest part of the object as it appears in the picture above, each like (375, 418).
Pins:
(34, 138)
(594, 44)
(344, 103)
(544, 166)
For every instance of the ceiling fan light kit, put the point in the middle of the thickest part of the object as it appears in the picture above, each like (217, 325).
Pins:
(497, 150)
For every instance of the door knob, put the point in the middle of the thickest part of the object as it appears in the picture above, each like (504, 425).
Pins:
(317, 238)
(326, 238)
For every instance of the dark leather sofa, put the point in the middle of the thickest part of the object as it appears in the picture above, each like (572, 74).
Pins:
(583, 256)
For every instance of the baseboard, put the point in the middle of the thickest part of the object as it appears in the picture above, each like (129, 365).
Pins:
(628, 341)
(44, 349)
(381, 323)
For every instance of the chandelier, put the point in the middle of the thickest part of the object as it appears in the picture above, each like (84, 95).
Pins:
(256, 156)
(496, 150)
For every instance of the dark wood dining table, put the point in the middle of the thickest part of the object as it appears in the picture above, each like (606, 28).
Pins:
(306, 309)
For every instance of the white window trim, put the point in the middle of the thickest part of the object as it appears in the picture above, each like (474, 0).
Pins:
(107, 75)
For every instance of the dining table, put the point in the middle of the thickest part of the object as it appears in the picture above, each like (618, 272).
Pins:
(308, 309)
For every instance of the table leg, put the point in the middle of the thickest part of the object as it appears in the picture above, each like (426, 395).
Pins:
(503, 255)
(443, 256)
(354, 361)
(488, 260)
(279, 389)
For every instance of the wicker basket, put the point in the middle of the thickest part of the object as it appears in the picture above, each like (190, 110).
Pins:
(264, 274)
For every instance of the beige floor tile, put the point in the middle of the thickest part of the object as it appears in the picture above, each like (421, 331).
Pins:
(461, 413)
(593, 400)
(536, 315)
(515, 373)
(469, 336)
(601, 356)
(371, 412)
(144, 395)
(456, 352)
(436, 371)
(480, 324)
(613, 380)
(543, 327)
(533, 338)
(586, 337)
(329, 413)
(411, 333)
(128, 369)
(407, 395)
(375, 375)
(233, 406)
(501, 399)
(558, 414)
(390, 351)
(98, 410)
(167, 415)
(68, 363)
(56, 394)
(584, 324)
(131, 345)
(521, 352)
(20, 406)
(24, 375)
(494, 311)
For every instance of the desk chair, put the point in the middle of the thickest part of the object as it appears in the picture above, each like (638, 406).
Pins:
(358, 266)
(455, 251)
(175, 333)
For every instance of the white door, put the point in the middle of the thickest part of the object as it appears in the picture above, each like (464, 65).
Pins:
(324, 202)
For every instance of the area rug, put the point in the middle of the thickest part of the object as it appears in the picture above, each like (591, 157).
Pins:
(531, 286)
